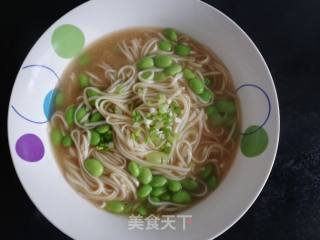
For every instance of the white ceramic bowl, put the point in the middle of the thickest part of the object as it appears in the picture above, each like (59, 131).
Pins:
(27, 122)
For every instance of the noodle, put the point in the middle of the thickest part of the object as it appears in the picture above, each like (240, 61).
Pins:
(131, 102)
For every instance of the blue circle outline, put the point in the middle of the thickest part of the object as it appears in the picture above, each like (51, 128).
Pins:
(20, 114)
(269, 106)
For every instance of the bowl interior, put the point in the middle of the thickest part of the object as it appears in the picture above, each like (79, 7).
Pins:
(27, 120)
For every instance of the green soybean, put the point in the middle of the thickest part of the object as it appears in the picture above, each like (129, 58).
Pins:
(69, 115)
(103, 128)
(143, 211)
(226, 106)
(159, 76)
(165, 197)
(128, 209)
(189, 184)
(108, 136)
(182, 50)
(96, 117)
(206, 171)
(145, 63)
(188, 74)
(171, 34)
(134, 169)
(95, 138)
(155, 199)
(146, 76)
(83, 80)
(196, 85)
(181, 197)
(215, 116)
(212, 182)
(94, 167)
(157, 157)
(162, 61)
(165, 45)
(144, 191)
(92, 93)
(173, 69)
(115, 206)
(158, 181)
(207, 95)
(56, 136)
(157, 191)
(67, 141)
(81, 113)
(59, 99)
(174, 186)
(145, 176)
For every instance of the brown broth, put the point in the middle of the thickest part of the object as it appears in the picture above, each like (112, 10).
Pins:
(105, 50)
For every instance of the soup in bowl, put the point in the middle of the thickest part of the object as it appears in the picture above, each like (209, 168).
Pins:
(162, 124)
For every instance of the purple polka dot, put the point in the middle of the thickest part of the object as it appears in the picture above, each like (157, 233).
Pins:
(30, 148)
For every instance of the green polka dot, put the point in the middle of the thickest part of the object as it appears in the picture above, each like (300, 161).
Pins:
(254, 141)
(67, 41)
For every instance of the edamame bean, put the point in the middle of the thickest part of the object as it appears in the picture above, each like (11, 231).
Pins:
(226, 106)
(95, 138)
(159, 76)
(145, 175)
(83, 80)
(128, 208)
(182, 50)
(206, 171)
(146, 76)
(157, 157)
(143, 211)
(181, 197)
(158, 181)
(144, 191)
(155, 199)
(115, 206)
(174, 186)
(214, 115)
(103, 128)
(69, 115)
(81, 113)
(96, 117)
(196, 85)
(165, 197)
(67, 141)
(157, 191)
(173, 69)
(108, 136)
(59, 99)
(92, 93)
(134, 169)
(188, 74)
(189, 184)
(94, 167)
(145, 63)
(171, 34)
(212, 182)
(165, 45)
(162, 61)
(56, 136)
(207, 95)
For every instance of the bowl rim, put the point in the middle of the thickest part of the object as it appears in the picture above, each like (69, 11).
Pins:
(276, 107)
